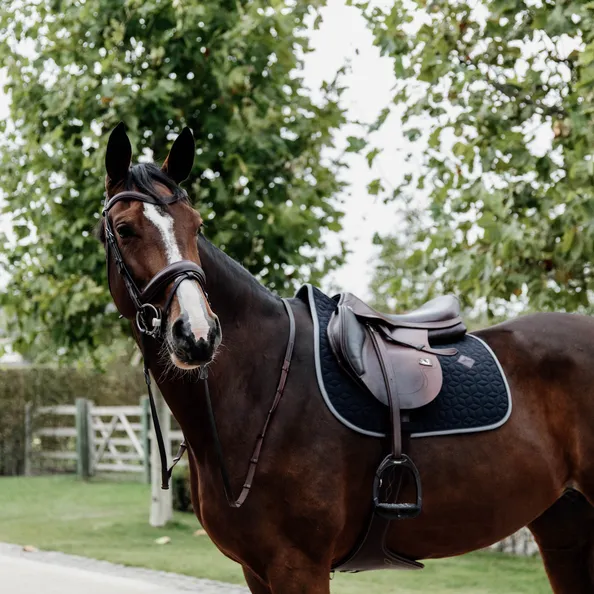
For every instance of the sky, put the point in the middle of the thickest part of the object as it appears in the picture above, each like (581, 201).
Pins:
(343, 38)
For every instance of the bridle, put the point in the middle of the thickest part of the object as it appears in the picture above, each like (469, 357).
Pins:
(149, 320)
(149, 317)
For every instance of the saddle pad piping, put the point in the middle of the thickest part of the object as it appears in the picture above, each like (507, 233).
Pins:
(316, 334)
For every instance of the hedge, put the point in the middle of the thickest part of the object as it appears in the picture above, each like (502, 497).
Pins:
(49, 386)
(180, 490)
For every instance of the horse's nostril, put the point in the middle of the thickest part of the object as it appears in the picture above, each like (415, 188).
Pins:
(179, 330)
(213, 332)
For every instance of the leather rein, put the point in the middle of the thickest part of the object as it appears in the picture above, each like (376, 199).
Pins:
(149, 320)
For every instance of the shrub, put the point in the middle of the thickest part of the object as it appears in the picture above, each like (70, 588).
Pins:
(180, 485)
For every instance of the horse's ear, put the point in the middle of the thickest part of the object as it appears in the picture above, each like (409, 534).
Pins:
(118, 155)
(180, 159)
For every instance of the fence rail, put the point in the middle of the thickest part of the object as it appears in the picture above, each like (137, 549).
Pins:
(93, 439)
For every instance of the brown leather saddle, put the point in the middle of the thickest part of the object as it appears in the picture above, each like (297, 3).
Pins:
(394, 358)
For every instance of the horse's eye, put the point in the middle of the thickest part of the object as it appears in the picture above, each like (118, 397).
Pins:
(125, 231)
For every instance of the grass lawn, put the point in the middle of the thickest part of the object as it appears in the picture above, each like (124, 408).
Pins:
(109, 520)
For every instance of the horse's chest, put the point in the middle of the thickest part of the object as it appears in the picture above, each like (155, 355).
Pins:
(235, 532)
(229, 528)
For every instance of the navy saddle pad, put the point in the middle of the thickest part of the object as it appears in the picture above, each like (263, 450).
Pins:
(474, 397)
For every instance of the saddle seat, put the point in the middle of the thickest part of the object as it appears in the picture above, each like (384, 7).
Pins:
(440, 309)
(440, 316)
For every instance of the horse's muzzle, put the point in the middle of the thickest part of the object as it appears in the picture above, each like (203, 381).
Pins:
(189, 351)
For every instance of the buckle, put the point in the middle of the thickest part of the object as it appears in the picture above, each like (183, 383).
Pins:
(148, 312)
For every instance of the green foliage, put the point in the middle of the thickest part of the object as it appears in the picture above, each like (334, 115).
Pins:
(228, 69)
(48, 386)
(494, 212)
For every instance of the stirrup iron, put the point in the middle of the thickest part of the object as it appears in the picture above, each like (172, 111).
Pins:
(397, 511)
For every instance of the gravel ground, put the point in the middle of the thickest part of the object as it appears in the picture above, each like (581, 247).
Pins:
(45, 572)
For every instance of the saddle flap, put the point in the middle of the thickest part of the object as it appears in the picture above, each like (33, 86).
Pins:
(414, 376)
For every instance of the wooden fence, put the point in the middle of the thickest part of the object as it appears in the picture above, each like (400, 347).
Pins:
(92, 439)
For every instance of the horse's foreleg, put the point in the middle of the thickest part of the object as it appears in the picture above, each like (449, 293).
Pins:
(295, 573)
(254, 583)
(289, 576)
(565, 536)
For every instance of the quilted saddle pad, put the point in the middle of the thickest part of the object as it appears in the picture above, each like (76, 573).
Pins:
(475, 395)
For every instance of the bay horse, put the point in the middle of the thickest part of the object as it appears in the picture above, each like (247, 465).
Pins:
(310, 496)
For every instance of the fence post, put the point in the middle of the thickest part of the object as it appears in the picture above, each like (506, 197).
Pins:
(92, 461)
(28, 438)
(83, 442)
(161, 501)
(145, 420)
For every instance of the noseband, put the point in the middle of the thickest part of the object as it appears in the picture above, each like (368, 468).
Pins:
(149, 317)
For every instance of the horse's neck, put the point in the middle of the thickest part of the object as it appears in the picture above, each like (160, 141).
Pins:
(235, 295)
(243, 377)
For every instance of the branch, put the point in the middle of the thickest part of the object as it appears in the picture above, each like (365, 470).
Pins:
(514, 92)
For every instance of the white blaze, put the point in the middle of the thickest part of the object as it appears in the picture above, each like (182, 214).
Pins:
(189, 295)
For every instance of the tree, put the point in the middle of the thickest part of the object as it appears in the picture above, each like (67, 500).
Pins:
(500, 94)
(228, 69)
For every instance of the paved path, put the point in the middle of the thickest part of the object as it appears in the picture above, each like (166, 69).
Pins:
(56, 573)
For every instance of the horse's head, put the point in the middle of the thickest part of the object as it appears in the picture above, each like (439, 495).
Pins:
(149, 232)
